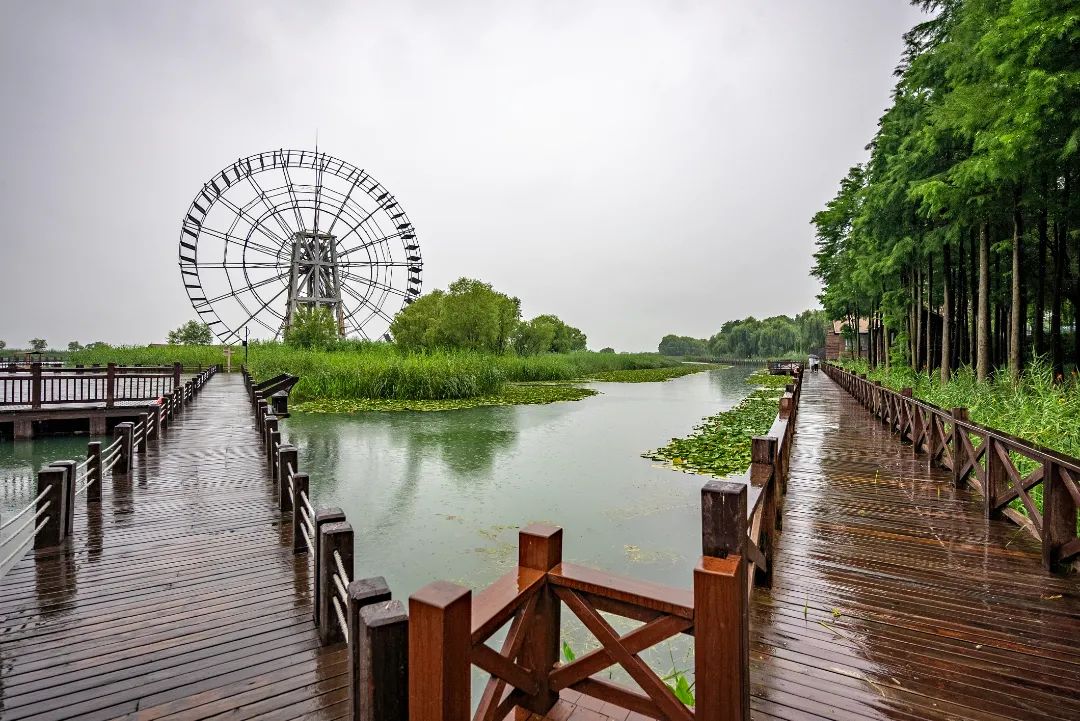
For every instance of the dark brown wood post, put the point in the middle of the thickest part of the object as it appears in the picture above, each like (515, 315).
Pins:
(300, 489)
(723, 519)
(110, 385)
(540, 549)
(35, 385)
(877, 399)
(996, 476)
(721, 640)
(144, 419)
(68, 467)
(959, 453)
(261, 409)
(905, 413)
(286, 458)
(93, 471)
(162, 417)
(273, 446)
(1059, 515)
(123, 432)
(51, 505)
(176, 369)
(323, 517)
(378, 652)
(335, 538)
(440, 620)
(765, 474)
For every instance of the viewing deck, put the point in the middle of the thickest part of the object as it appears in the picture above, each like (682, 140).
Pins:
(180, 596)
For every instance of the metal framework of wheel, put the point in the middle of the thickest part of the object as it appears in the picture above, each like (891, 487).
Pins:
(287, 230)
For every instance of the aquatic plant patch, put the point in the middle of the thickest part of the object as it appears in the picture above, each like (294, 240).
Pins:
(510, 395)
(721, 444)
(651, 375)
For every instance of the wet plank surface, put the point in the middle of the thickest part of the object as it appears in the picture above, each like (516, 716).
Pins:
(179, 596)
(892, 597)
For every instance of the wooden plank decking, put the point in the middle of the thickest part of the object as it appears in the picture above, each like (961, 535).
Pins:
(179, 597)
(892, 598)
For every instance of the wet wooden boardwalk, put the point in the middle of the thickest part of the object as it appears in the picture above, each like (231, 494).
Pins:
(179, 596)
(892, 598)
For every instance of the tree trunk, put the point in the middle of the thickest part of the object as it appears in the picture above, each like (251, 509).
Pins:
(946, 320)
(982, 362)
(918, 319)
(1056, 347)
(973, 286)
(1016, 323)
(1038, 322)
(963, 342)
(930, 314)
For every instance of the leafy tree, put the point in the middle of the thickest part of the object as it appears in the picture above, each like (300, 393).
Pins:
(416, 327)
(3, 345)
(312, 327)
(191, 333)
(74, 346)
(470, 315)
(607, 349)
(38, 344)
(681, 345)
(533, 337)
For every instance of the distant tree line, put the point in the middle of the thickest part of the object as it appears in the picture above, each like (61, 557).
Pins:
(958, 239)
(777, 336)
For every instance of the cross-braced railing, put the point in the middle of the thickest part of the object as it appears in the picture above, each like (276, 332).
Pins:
(1005, 469)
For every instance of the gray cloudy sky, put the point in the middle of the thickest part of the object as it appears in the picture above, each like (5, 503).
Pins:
(636, 168)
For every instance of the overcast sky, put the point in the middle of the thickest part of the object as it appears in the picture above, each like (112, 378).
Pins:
(636, 168)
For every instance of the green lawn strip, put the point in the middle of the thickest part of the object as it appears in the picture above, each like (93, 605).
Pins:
(651, 375)
(511, 394)
(721, 444)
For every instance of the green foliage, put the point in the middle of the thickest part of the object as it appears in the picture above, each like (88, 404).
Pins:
(721, 444)
(312, 327)
(38, 344)
(651, 375)
(74, 346)
(770, 338)
(3, 344)
(188, 355)
(682, 345)
(606, 349)
(547, 334)
(512, 394)
(191, 333)
(568, 653)
(470, 315)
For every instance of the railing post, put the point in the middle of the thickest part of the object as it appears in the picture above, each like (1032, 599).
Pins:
(300, 489)
(1059, 515)
(286, 456)
(334, 537)
(905, 413)
(959, 454)
(765, 473)
(123, 432)
(68, 515)
(144, 419)
(35, 385)
(378, 653)
(176, 369)
(877, 399)
(995, 477)
(93, 470)
(110, 385)
(440, 620)
(323, 517)
(162, 417)
(540, 549)
(721, 609)
(723, 519)
(52, 533)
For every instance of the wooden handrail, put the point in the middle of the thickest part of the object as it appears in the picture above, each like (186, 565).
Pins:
(946, 438)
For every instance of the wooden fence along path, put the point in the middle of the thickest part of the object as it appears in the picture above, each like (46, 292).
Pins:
(844, 576)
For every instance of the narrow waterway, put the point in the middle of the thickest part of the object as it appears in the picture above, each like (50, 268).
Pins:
(441, 495)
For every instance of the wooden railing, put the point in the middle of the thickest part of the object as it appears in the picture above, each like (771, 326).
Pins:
(416, 666)
(949, 437)
(41, 386)
(49, 518)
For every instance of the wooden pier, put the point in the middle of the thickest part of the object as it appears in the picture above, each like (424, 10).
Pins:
(189, 590)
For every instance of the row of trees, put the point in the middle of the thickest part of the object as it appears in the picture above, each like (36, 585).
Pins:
(776, 336)
(472, 315)
(958, 238)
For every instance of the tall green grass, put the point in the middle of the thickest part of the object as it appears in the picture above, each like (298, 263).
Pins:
(189, 355)
(381, 371)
